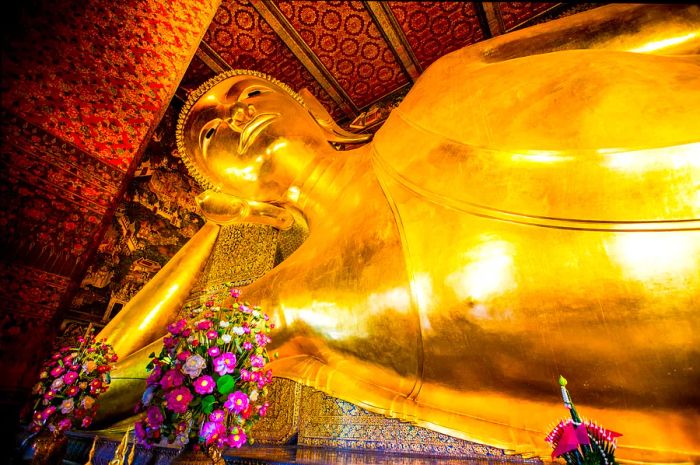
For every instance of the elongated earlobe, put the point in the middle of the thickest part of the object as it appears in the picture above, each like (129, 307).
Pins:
(334, 133)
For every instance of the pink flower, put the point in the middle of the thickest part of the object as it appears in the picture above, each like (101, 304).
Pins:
(211, 431)
(194, 366)
(245, 375)
(204, 384)
(154, 416)
(178, 399)
(184, 355)
(177, 327)
(169, 342)
(154, 376)
(87, 421)
(235, 293)
(48, 411)
(67, 406)
(247, 345)
(56, 372)
(212, 334)
(257, 361)
(70, 377)
(50, 395)
(64, 424)
(172, 378)
(204, 325)
(225, 363)
(237, 437)
(262, 410)
(217, 416)
(261, 339)
(214, 351)
(236, 402)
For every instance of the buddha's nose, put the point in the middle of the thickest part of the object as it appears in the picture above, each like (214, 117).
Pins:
(240, 115)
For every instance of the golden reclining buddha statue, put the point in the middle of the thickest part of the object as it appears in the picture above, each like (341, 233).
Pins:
(532, 208)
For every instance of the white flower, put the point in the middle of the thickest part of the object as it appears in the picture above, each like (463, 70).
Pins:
(256, 314)
(238, 330)
(224, 324)
(226, 338)
(57, 384)
(254, 395)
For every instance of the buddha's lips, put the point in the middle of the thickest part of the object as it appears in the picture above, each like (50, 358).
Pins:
(253, 128)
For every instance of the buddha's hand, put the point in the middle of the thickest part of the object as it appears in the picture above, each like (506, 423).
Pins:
(222, 208)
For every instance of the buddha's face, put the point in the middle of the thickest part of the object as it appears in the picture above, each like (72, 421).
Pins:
(251, 138)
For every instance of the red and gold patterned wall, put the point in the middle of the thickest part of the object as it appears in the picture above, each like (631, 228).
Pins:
(83, 86)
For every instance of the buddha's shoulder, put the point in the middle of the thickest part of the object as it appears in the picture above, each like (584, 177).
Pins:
(578, 99)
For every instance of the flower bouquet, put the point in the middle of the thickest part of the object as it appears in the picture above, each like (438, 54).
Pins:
(581, 442)
(66, 395)
(70, 383)
(208, 384)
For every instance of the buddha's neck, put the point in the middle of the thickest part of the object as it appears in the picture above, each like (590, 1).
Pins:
(333, 176)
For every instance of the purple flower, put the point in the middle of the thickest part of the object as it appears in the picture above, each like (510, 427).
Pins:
(257, 361)
(225, 363)
(211, 430)
(194, 365)
(154, 376)
(172, 378)
(154, 417)
(204, 384)
(177, 327)
(184, 355)
(67, 406)
(236, 402)
(48, 411)
(57, 384)
(262, 410)
(217, 416)
(140, 432)
(178, 399)
(214, 351)
(148, 395)
(262, 339)
(64, 424)
(56, 372)
(70, 377)
(237, 437)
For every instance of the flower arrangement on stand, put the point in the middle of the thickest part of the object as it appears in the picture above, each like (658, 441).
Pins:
(70, 382)
(207, 387)
(581, 442)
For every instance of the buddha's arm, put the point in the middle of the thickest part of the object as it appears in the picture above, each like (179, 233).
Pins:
(144, 319)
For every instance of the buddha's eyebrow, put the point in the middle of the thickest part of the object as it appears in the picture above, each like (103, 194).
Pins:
(252, 91)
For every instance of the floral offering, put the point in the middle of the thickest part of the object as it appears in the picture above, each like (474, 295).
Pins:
(70, 383)
(208, 384)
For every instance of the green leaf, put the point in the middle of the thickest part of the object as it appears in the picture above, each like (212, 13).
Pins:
(225, 384)
(151, 355)
(196, 401)
(149, 367)
(208, 404)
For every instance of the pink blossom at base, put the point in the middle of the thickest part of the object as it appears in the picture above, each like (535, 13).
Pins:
(225, 363)
(237, 438)
(236, 402)
(172, 378)
(178, 399)
(70, 377)
(217, 416)
(204, 384)
(211, 431)
(214, 351)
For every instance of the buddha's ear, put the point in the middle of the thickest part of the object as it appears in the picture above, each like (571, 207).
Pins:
(334, 133)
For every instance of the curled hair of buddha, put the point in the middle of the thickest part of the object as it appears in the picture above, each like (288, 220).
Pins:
(333, 132)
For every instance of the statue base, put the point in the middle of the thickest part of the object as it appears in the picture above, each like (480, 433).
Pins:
(304, 425)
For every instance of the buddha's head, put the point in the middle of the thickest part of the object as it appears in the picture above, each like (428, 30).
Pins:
(246, 134)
